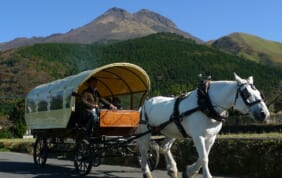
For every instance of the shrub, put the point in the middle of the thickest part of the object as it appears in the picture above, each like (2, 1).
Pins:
(4, 134)
(16, 115)
(258, 158)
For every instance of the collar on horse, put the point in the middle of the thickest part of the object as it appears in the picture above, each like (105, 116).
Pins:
(204, 101)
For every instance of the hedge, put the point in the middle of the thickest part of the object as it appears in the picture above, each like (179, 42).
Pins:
(260, 158)
(247, 156)
(238, 157)
(251, 128)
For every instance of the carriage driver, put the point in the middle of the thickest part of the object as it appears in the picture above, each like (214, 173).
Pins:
(90, 100)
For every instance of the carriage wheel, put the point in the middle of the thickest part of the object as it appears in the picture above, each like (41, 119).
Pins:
(97, 160)
(40, 151)
(83, 158)
(153, 155)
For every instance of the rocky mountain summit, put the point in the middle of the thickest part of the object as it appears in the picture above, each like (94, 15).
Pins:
(114, 24)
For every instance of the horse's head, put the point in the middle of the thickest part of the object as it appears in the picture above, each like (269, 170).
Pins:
(249, 100)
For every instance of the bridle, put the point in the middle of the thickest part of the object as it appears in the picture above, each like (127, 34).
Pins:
(245, 94)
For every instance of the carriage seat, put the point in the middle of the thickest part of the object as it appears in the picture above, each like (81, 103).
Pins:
(118, 122)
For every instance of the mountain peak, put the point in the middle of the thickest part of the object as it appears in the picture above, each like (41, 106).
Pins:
(145, 13)
(117, 12)
(114, 24)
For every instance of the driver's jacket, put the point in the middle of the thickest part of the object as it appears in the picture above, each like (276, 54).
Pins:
(89, 98)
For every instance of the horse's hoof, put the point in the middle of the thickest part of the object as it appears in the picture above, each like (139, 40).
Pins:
(172, 174)
(147, 175)
(184, 174)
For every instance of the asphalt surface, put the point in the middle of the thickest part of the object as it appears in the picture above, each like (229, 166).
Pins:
(19, 165)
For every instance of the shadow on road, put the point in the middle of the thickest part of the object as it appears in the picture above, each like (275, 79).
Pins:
(50, 171)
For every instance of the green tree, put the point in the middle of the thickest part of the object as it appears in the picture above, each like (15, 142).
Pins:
(16, 116)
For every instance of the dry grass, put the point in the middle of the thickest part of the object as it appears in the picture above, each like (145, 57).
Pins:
(274, 135)
(17, 140)
(17, 145)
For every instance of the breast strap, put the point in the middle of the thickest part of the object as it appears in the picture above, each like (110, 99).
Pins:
(204, 101)
(175, 116)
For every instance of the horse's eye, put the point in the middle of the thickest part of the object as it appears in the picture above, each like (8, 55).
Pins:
(245, 93)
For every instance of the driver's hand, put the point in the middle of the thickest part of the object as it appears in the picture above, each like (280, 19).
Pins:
(113, 107)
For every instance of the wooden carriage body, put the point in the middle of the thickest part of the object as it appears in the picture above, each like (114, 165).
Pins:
(51, 106)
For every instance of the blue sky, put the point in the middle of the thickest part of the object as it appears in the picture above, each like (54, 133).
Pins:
(205, 19)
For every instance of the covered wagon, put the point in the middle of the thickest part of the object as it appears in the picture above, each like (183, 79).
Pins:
(51, 105)
(50, 112)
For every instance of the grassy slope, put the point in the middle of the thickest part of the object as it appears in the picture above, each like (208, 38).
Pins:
(256, 48)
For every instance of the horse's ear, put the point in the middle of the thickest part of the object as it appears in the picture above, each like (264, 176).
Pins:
(250, 80)
(238, 79)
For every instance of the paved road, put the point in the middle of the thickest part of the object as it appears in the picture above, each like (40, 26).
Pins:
(19, 165)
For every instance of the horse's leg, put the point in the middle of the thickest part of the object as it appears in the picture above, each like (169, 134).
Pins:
(193, 169)
(143, 144)
(170, 162)
(203, 156)
(209, 143)
(202, 161)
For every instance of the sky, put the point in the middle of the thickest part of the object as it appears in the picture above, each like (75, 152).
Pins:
(205, 19)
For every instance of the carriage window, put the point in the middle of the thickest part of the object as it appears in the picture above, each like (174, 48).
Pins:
(57, 101)
(68, 95)
(42, 105)
(30, 107)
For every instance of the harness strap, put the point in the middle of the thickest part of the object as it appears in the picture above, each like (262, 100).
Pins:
(175, 117)
(178, 118)
(187, 113)
(152, 129)
(204, 102)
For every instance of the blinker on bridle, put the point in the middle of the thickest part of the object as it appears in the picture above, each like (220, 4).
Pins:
(245, 94)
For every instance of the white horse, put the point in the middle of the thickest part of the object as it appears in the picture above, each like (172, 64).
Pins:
(240, 94)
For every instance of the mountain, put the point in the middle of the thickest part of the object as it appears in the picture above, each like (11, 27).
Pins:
(251, 47)
(114, 24)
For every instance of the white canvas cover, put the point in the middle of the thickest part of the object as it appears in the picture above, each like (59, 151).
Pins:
(50, 105)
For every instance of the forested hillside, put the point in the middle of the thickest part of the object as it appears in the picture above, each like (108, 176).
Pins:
(171, 61)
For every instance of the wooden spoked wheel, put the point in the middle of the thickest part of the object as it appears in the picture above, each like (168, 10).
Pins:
(83, 158)
(40, 151)
(153, 156)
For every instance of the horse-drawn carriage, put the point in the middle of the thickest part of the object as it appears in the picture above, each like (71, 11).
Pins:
(51, 114)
